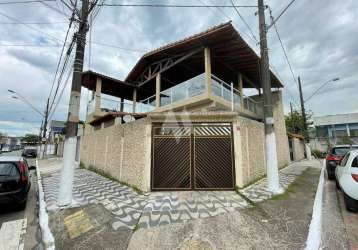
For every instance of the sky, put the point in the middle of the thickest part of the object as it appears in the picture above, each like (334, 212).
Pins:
(320, 39)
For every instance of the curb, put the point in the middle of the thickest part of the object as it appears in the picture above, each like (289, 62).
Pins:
(47, 237)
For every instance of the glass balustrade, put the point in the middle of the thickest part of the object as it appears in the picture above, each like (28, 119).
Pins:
(188, 89)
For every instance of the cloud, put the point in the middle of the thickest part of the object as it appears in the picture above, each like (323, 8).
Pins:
(320, 38)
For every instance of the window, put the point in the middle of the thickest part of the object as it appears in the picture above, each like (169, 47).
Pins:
(345, 159)
(355, 162)
(8, 169)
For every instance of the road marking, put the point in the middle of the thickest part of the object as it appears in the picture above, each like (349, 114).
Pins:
(12, 234)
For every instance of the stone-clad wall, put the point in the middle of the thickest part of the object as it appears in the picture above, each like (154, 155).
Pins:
(298, 149)
(121, 150)
(283, 151)
(249, 145)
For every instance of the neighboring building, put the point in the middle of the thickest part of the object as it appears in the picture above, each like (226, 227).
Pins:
(9, 143)
(334, 130)
(57, 129)
(296, 144)
(180, 120)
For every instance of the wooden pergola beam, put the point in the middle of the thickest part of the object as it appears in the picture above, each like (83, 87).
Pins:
(167, 64)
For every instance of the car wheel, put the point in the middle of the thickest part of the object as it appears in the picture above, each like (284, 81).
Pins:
(337, 185)
(22, 205)
(330, 176)
(351, 204)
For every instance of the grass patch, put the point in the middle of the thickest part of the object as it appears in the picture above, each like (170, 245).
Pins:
(293, 187)
(112, 178)
(82, 165)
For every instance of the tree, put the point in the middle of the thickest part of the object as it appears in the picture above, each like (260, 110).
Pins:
(30, 139)
(295, 123)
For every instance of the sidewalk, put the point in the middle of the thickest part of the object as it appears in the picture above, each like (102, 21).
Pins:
(128, 214)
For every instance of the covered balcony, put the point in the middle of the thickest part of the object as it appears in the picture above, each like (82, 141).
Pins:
(208, 71)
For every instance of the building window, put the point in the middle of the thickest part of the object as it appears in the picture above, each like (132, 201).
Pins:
(340, 130)
(322, 131)
(353, 129)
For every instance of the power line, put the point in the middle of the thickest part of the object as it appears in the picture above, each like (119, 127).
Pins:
(175, 5)
(28, 1)
(283, 49)
(60, 59)
(283, 11)
(37, 23)
(30, 45)
(244, 21)
(30, 27)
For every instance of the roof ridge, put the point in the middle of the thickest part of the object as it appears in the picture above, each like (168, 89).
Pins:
(168, 45)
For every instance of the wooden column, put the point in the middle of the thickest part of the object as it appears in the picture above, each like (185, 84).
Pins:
(134, 99)
(157, 90)
(207, 60)
(98, 95)
(240, 91)
(122, 105)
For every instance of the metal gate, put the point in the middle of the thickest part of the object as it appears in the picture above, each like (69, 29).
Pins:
(195, 156)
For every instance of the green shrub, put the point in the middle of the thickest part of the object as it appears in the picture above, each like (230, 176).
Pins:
(318, 154)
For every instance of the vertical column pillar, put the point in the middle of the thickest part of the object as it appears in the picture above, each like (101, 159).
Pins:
(207, 59)
(240, 91)
(157, 90)
(134, 99)
(348, 131)
(98, 95)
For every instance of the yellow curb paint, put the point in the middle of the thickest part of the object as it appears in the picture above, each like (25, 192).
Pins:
(77, 224)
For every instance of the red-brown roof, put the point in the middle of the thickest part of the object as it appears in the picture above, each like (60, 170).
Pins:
(230, 53)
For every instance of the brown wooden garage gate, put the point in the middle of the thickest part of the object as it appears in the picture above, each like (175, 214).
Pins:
(192, 157)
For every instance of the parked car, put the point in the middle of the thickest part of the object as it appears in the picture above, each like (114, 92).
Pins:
(14, 181)
(29, 153)
(347, 179)
(6, 148)
(334, 156)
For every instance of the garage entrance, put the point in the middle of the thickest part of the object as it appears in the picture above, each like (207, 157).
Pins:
(192, 157)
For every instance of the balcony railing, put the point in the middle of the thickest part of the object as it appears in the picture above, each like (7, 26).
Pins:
(183, 91)
(108, 104)
(196, 86)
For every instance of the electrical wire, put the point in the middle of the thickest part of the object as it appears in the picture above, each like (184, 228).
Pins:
(284, 50)
(28, 1)
(244, 21)
(60, 59)
(174, 5)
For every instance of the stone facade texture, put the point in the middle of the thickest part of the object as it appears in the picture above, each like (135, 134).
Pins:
(121, 150)
(298, 149)
(124, 150)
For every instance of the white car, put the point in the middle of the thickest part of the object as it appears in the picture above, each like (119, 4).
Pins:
(347, 179)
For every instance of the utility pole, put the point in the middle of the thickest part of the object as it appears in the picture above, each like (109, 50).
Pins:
(66, 182)
(45, 128)
(303, 111)
(270, 138)
(291, 108)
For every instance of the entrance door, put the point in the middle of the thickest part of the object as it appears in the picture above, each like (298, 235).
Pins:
(192, 157)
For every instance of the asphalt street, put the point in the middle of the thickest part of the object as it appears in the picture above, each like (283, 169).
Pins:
(21, 227)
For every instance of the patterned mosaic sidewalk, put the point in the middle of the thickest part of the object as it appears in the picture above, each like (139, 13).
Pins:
(130, 208)
(158, 208)
(258, 191)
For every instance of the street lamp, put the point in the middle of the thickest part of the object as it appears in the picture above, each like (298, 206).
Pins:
(44, 116)
(17, 95)
(320, 87)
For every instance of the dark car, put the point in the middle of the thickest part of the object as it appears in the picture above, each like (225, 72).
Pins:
(29, 153)
(14, 181)
(334, 156)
